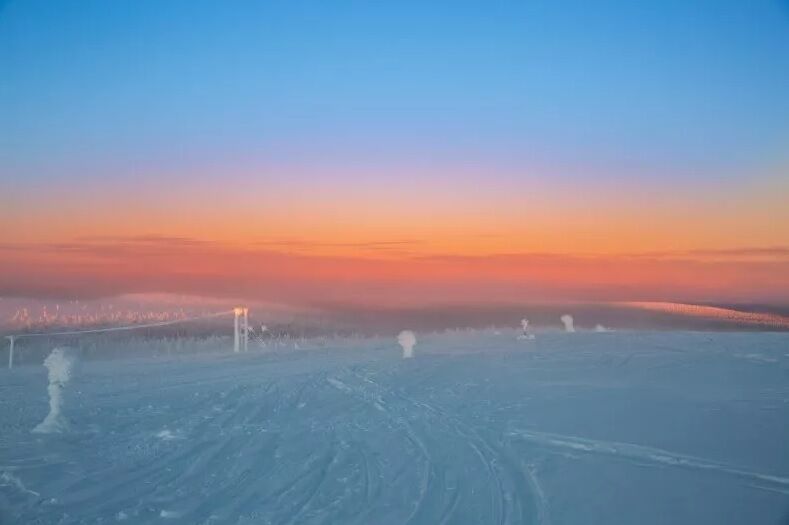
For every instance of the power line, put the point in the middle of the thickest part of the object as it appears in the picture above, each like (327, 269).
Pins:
(120, 328)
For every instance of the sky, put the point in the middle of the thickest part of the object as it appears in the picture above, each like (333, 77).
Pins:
(395, 152)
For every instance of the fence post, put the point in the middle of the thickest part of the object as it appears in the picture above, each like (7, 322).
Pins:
(10, 351)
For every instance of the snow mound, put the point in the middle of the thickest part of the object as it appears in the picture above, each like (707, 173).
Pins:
(60, 365)
(407, 340)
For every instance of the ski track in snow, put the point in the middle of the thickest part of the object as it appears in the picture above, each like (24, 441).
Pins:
(354, 438)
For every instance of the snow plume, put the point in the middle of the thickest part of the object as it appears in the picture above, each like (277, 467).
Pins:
(407, 340)
(567, 319)
(60, 363)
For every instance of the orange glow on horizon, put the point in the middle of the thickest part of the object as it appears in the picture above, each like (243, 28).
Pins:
(402, 243)
(396, 221)
(191, 266)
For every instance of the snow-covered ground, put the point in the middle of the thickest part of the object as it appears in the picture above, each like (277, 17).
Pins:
(477, 428)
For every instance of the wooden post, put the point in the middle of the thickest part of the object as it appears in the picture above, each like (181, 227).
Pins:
(10, 351)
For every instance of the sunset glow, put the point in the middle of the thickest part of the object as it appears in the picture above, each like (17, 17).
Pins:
(322, 171)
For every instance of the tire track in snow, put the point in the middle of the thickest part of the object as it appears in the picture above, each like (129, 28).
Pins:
(208, 442)
(248, 497)
(430, 477)
(540, 501)
(303, 507)
(160, 481)
(501, 507)
(650, 455)
(505, 504)
(507, 507)
(244, 458)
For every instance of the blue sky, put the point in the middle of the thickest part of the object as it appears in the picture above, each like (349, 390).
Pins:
(665, 89)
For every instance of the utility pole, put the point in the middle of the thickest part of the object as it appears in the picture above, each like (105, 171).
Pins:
(10, 351)
(236, 339)
(246, 330)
